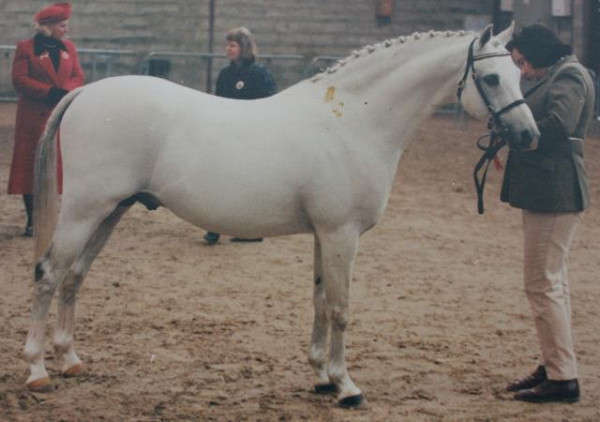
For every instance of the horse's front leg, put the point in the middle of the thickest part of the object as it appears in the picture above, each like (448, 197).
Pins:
(317, 354)
(338, 251)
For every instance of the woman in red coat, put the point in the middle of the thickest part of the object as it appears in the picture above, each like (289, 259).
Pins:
(45, 69)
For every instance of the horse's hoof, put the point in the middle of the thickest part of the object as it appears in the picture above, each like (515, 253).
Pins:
(42, 385)
(329, 388)
(73, 371)
(354, 402)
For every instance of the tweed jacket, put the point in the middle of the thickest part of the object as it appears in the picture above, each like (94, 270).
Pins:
(552, 178)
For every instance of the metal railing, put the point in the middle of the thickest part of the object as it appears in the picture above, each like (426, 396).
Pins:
(7, 92)
(96, 63)
(99, 63)
(194, 70)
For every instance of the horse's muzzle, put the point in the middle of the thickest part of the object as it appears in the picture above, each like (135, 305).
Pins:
(525, 141)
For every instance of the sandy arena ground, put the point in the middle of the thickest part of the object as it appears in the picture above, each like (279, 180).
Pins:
(172, 330)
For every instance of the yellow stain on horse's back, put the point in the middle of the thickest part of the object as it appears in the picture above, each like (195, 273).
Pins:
(329, 94)
(339, 110)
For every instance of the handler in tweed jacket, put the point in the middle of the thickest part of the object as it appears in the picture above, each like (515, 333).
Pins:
(550, 185)
(553, 178)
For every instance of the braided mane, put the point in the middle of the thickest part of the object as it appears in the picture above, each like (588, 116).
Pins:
(415, 37)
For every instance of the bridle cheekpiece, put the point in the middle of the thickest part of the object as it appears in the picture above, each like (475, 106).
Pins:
(471, 59)
(498, 131)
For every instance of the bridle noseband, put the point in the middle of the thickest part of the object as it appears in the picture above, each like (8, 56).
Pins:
(471, 59)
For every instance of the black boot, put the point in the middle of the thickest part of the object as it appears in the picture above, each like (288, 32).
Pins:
(211, 238)
(551, 391)
(28, 201)
(533, 380)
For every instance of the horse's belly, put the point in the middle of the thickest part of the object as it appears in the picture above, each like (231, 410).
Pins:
(246, 214)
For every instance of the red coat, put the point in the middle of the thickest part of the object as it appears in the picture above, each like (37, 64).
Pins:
(33, 76)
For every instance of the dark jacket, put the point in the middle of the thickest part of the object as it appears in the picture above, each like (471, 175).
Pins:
(247, 81)
(552, 178)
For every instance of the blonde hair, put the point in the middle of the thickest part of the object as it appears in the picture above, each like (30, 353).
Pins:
(44, 29)
(241, 35)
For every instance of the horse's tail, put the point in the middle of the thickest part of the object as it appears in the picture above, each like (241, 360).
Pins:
(45, 192)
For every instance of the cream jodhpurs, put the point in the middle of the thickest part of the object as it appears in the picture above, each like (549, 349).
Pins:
(547, 238)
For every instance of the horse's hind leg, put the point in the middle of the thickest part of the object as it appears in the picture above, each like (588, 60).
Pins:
(338, 251)
(317, 354)
(49, 272)
(63, 334)
(67, 242)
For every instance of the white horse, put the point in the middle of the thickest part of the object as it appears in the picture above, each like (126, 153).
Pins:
(319, 157)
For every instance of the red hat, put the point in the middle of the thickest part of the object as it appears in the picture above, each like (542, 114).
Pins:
(55, 13)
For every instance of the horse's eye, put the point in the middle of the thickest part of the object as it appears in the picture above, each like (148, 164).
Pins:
(492, 80)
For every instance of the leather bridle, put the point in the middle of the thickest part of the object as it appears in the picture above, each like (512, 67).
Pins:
(471, 59)
(498, 131)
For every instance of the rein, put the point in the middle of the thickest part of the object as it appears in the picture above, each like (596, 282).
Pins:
(495, 144)
(498, 130)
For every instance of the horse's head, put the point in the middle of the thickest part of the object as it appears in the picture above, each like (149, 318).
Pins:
(490, 86)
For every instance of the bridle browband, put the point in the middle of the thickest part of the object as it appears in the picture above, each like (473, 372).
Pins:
(497, 129)
(471, 59)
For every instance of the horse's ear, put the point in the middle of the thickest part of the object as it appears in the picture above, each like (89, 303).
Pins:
(485, 35)
(506, 35)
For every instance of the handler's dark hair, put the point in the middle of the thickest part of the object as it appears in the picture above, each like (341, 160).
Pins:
(539, 45)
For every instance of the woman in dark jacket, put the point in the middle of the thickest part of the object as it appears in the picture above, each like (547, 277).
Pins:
(45, 68)
(550, 185)
(242, 79)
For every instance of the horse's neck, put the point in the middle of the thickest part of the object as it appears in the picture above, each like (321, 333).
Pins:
(401, 82)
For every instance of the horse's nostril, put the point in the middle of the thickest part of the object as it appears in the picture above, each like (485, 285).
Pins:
(528, 141)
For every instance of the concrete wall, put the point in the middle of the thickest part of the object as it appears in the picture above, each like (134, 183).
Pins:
(282, 27)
